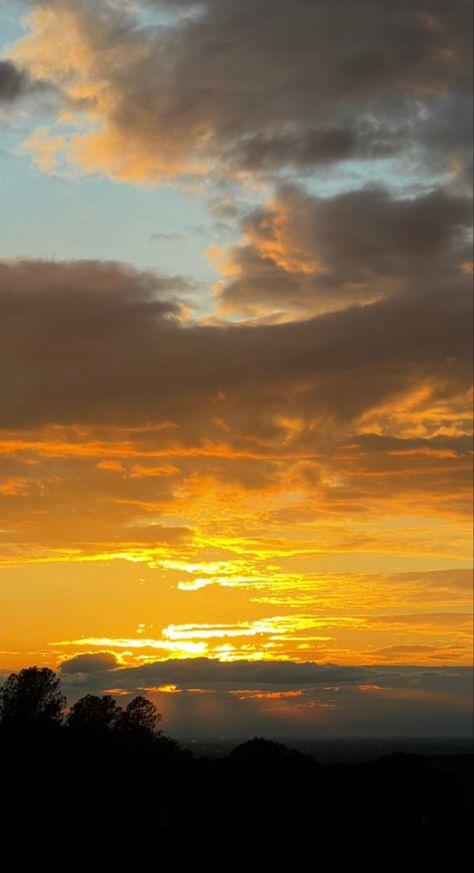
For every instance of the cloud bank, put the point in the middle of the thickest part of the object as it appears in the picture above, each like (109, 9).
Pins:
(205, 697)
(165, 89)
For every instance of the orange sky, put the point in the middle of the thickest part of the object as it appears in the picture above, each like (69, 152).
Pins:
(353, 554)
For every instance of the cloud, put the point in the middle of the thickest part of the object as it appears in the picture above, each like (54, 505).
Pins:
(68, 356)
(306, 699)
(392, 653)
(167, 237)
(303, 254)
(89, 663)
(243, 86)
(315, 148)
(285, 675)
(317, 615)
(127, 430)
(14, 83)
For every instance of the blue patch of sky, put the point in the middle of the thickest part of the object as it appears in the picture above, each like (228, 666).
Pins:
(165, 228)
(63, 217)
(11, 27)
(164, 14)
(404, 177)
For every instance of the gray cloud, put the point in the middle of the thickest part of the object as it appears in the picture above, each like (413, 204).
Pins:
(330, 699)
(309, 148)
(285, 675)
(90, 663)
(303, 253)
(167, 237)
(265, 85)
(96, 343)
(14, 83)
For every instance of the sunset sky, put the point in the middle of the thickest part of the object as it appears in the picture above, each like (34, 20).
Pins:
(236, 361)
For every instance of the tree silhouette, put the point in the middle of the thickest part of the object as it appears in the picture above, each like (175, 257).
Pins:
(93, 713)
(32, 697)
(261, 751)
(140, 718)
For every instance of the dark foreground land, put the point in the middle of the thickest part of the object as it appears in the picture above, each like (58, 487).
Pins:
(98, 767)
(108, 781)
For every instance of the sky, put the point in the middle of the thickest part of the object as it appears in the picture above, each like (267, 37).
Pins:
(236, 359)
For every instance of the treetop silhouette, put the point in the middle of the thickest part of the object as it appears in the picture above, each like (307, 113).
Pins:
(141, 718)
(93, 713)
(32, 697)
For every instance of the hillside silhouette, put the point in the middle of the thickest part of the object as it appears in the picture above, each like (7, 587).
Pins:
(100, 767)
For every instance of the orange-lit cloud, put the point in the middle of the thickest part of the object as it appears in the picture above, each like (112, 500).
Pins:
(213, 87)
(301, 254)
(373, 638)
(266, 695)
(345, 460)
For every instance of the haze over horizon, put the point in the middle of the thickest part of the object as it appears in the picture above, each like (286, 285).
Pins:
(236, 347)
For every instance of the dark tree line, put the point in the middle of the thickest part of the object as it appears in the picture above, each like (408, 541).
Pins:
(33, 699)
(101, 767)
